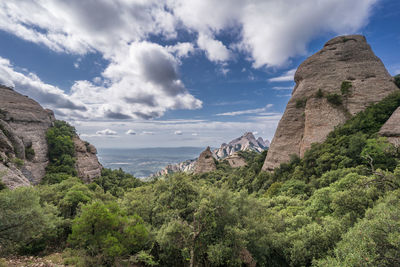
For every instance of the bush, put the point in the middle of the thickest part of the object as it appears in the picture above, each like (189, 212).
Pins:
(334, 99)
(25, 224)
(29, 152)
(18, 162)
(61, 149)
(107, 233)
(319, 93)
(345, 87)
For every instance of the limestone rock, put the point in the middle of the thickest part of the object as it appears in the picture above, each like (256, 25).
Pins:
(309, 117)
(236, 161)
(87, 164)
(23, 123)
(391, 128)
(205, 162)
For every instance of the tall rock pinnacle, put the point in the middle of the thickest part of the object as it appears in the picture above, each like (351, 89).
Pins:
(332, 85)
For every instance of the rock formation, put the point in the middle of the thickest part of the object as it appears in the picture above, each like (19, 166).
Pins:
(226, 151)
(23, 124)
(332, 85)
(245, 142)
(205, 162)
(391, 129)
(23, 145)
(236, 161)
(87, 164)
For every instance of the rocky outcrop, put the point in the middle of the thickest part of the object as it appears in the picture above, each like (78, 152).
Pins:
(332, 85)
(23, 147)
(185, 166)
(205, 162)
(87, 163)
(245, 142)
(236, 161)
(391, 129)
(23, 144)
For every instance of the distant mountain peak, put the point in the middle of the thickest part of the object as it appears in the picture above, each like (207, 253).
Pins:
(246, 142)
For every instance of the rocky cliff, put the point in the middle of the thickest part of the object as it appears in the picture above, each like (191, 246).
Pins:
(23, 145)
(245, 142)
(331, 86)
(205, 162)
(87, 163)
(391, 129)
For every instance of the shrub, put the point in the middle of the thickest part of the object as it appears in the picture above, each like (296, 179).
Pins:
(29, 152)
(18, 162)
(61, 148)
(345, 87)
(334, 99)
(107, 233)
(301, 102)
(319, 93)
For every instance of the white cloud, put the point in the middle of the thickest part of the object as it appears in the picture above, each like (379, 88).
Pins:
(178, 132)
(130, 132)
(286, 77)
(106, 132)
(31, 85)
(248, 111)
(215, 50)
(147, 133)
(181, 49)
(278, 88)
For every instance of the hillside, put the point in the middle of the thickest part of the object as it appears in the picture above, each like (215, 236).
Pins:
(24, 144)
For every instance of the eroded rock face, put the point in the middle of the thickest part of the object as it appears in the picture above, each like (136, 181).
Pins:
(236, 161)
(205, 162)
(391, 128)
(87, 163)
(309, 116)
(23, 125)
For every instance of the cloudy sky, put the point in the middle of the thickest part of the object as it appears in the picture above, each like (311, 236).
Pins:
(153, 73)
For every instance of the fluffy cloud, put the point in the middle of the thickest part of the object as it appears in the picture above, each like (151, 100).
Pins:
(29, 84)
(130, 132)
(106, 132)
(286, 77)
(142, 79)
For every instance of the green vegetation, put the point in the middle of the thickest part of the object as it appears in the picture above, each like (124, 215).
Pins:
(301, 102)
(319, 93)
(61, 151)
(337, 206)
(397, 80)
(345, 87)
(29, 152)
(334, 99)
(18, 162)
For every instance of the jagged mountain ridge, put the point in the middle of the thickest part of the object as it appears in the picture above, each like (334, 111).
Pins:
(340, 80)
(23, 144)
(227, 151)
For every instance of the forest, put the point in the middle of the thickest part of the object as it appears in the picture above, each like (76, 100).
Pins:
(339, 205)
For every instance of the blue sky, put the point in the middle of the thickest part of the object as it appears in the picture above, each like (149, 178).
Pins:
(135, 73)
